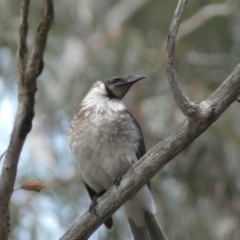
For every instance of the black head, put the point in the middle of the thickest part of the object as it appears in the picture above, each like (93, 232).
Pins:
(117, 87)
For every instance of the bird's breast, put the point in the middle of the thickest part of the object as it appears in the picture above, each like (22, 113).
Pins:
(105, 147)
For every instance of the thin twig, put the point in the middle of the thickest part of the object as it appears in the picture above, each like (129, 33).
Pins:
(189, 108)
(204, 14)
(2, 155)
(196, 21)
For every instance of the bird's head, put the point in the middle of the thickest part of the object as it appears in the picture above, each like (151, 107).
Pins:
(117, 87)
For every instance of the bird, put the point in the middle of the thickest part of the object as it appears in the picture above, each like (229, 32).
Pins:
(106, 140)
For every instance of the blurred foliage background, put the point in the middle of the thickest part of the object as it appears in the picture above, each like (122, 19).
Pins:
(198, 193)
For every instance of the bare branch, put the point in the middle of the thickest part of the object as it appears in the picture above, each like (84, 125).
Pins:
(35, 64)
(28, 73)
(189, 108)
(203, 15)
(23, 49)
(157, 157)
(197, 20)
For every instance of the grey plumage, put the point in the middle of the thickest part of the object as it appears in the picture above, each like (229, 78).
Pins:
(106, 141)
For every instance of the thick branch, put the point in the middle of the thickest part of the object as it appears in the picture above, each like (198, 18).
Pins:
(28, 73)
(209, 111)
(157, 157)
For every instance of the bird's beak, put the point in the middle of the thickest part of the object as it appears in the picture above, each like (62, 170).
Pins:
(119, 87)
(131, 79)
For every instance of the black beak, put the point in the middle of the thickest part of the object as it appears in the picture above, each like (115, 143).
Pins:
(117, 87)
(131, 79)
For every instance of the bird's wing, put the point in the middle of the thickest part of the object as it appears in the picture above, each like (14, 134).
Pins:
(151, 230)
(91, 192)
(141, 145)
(109, 222)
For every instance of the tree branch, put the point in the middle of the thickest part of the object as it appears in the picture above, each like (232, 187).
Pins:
(157, 157)
(28, 73)
(197, 20)
(23, 49)
(189, 108)
(204, 14)
(206, 113)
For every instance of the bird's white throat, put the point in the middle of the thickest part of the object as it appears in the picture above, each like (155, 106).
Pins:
(96, 100)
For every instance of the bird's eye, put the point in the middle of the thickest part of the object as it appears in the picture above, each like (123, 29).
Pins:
(130, 76)
(112, 80)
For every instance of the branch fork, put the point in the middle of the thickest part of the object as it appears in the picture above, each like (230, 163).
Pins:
(28, 71)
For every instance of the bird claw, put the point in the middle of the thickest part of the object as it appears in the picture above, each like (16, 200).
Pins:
(117, 181)
(92, 208)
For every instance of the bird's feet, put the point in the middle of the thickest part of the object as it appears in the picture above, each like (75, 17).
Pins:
(118, 180)
(92, 208)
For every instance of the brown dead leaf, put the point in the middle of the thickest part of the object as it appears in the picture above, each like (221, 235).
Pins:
(34, 185)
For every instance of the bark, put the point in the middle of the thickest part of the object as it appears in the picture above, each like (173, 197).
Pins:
(29, 68)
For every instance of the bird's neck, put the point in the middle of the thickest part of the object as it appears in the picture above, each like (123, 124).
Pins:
(97, 100)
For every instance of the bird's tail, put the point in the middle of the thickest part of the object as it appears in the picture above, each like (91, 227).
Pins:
(150, 231)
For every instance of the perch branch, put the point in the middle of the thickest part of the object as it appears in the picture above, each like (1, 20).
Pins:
(209, 110)
(156, 158)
